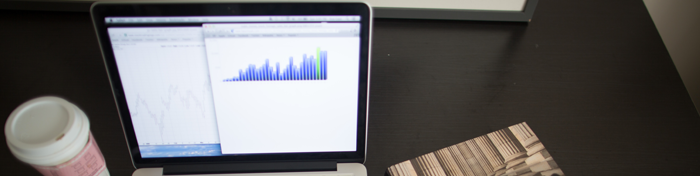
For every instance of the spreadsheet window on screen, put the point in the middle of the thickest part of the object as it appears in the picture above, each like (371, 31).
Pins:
(240, 85)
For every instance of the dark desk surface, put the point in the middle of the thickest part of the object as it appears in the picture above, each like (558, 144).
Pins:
(592, 79)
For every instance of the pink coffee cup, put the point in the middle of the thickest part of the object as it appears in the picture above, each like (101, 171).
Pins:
(53, 136)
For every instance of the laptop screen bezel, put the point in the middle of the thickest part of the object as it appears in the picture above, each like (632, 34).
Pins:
(100, 11)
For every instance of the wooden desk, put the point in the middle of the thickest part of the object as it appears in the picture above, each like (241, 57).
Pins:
(592, 79)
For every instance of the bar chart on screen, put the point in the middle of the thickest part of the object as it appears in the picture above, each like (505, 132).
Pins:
(310, 68)
(278, 90)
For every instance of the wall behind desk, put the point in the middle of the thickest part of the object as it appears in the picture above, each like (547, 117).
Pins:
(678, 22)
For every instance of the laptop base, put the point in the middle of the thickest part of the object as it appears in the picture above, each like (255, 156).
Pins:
(249, 167)
(344, 169)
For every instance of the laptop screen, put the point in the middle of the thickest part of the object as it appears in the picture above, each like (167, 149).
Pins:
(232, 85)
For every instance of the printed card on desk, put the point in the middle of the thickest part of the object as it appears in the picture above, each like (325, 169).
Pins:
(511, 151)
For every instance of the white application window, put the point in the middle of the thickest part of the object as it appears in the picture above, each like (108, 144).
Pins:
(165, 78)
(284, 87)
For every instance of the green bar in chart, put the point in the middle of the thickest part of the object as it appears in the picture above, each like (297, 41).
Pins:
(318, 63)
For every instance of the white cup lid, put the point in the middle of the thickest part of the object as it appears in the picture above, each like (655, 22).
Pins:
(44, 128)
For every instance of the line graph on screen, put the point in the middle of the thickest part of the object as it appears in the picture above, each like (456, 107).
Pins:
(176, 116)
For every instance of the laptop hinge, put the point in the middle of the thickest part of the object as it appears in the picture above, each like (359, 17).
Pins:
(216, 168)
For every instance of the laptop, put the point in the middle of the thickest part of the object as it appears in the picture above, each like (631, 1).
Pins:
(239, 88)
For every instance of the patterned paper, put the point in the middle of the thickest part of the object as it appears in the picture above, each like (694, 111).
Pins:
(511, 151)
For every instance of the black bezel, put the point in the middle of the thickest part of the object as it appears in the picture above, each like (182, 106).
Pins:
(101, 10)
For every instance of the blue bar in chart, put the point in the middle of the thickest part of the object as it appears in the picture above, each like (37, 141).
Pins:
(310, 68)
